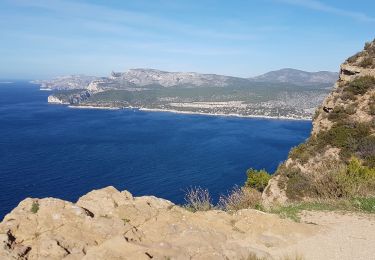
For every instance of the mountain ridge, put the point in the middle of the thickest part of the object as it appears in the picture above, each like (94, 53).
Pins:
(149, 76)
(296, 76)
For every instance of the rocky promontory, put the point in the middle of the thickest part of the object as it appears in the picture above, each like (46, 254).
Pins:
(109, 224)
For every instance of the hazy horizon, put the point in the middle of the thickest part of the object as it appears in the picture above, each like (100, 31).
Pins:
(44, 39)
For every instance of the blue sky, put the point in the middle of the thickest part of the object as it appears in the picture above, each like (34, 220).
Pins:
(45, 38)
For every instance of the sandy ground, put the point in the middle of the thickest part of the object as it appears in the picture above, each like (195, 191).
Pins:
(340, 236)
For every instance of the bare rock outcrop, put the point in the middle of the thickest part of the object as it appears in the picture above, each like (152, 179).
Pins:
(109, 224)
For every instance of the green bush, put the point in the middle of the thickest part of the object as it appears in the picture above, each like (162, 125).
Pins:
(360, 85)
(302, 152)
(346, 181)
(347, 137)
(257, 179)
(34, 207)
(357, 180)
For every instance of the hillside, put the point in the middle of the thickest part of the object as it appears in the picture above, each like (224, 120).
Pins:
(338, 160)
(298, 77)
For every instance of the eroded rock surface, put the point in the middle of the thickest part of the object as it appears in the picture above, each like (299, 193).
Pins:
(108, 224)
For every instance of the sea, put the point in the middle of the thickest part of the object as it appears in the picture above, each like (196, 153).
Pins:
(56, 151)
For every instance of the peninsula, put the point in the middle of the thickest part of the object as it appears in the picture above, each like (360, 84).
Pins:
(284, 94)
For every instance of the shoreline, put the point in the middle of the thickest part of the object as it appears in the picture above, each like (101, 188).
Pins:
(223, 115)
(190, 112)
(94, 107)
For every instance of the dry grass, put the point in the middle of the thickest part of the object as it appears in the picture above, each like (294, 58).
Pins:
(240, 198)
(198, 199)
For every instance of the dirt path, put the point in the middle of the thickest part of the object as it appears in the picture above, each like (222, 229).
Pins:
(341, 236)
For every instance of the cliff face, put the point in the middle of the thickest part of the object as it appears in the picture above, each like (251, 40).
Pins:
(342, 136)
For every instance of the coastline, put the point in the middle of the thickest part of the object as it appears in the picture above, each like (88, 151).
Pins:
(191, 112)
(94, 107)
(223, 115)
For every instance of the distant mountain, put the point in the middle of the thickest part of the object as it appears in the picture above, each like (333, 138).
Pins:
(66, 82)
(298, 77)
(146, 77)
(288, 97)
(151, 78)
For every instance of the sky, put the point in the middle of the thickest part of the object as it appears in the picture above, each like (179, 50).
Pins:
(47, 38)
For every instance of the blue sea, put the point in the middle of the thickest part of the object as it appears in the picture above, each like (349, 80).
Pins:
(56, 151)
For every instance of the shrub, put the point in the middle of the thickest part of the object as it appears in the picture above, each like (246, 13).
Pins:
(304, 151)
(198, 199)
(338, 114)
(241, 198)
(360, 85)
(257, 179)
(357, 180)
(353, 58)
(346, 181)
(34, 207)
(346, 95)
(366, 150)
(347, 137)
(351, 109)
(328, 186)
(367, 62)
(298, 184)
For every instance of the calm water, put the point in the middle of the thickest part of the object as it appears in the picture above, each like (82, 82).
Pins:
(52, 150)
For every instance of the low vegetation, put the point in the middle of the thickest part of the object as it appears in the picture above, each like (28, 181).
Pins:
(240, 198)
(292, 211)
(257, 180)
(346, 181)
(367, 62)
(34, 207)
(198, 199)
(360, 85)
(364, 58)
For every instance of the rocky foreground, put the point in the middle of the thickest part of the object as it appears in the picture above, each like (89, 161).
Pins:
(108, 224)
